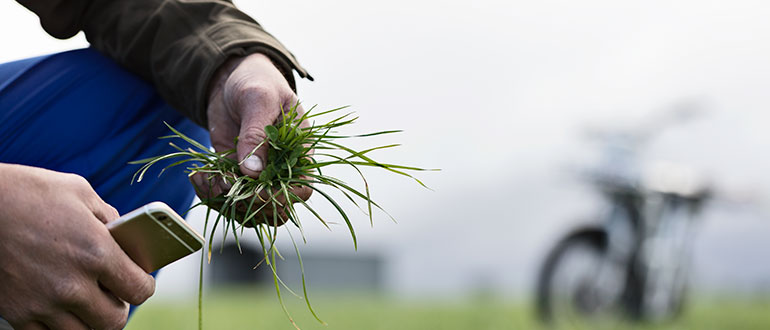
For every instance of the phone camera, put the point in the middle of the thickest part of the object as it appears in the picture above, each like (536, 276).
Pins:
(162, 217)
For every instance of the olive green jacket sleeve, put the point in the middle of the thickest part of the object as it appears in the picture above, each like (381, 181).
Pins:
(175, 44)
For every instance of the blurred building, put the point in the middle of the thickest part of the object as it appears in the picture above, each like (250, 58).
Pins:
(361, 272)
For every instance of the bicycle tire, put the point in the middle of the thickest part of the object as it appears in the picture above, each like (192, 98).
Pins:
(592, 237)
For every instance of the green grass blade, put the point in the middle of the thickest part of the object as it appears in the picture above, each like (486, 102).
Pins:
(342, 213)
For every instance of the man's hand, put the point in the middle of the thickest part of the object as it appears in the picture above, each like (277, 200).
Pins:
(59, 266)
(246, 94)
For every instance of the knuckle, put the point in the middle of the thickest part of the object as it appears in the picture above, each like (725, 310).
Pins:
(113, 212)
(145, 290)
(117, 318)
(77, 180)
(252, 134)
(216, 190)
(80, 185)
(68, 292)
(94, 256)
(249, 92)
(290, 101)
(256, 89)
(304, 193)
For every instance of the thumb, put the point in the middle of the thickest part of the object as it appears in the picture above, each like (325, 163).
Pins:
(252, 147)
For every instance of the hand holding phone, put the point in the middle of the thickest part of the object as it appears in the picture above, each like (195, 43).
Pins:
(154, 236)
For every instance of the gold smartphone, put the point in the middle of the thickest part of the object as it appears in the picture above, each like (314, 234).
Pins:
(155, 236)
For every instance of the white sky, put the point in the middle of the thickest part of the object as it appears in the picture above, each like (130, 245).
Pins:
(496, 94)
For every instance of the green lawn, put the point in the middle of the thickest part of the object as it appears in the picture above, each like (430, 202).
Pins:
(254, 309)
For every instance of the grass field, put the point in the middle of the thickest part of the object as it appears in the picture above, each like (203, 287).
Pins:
(254, 309)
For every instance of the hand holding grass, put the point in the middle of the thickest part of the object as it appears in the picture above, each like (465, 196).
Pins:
(246, 95)
(269, 155)
(290, 166)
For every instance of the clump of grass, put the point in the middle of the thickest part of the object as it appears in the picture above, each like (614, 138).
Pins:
(296, 158)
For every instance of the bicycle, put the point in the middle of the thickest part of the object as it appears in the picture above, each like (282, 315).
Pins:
(633, 264)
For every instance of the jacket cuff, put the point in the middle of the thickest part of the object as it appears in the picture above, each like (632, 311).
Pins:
(239, 38)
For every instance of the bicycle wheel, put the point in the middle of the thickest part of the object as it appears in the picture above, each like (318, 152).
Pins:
(573, 285)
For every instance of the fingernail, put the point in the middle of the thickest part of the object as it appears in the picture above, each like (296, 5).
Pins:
(253, 163)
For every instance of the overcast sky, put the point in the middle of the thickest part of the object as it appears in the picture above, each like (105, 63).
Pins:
(497, 93)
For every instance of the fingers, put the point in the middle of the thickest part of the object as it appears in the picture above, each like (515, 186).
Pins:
(300, 110)
(123, 278)
(105, 212)
(202, 188)
(116, 271)
(102, 310)
(33, 325)
(251, 149)
(276, 212)
(264, 109)
(65, 320)
(303, 192)
(78, 302)
(209, 186)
